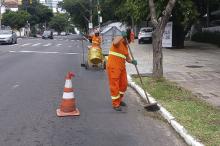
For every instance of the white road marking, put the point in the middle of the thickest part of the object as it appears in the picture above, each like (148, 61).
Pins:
(36, 44)
(40, 52)
(25, 44)
(15, 86)
(58, 45)
(47, 45)
(71, 53)
(13, 45)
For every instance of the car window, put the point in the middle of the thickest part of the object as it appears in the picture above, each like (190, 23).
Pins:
(146, 30)
(47, 32)
(5, 32)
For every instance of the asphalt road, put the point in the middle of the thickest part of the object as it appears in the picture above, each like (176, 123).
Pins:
(31, 86)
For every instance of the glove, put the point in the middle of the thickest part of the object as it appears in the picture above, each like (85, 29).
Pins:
(134, 62)
(124, 34)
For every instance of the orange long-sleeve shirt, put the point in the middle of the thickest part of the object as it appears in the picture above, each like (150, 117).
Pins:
(96, 41)
(115, 61)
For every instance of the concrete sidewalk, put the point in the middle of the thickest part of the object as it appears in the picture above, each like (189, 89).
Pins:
(196, 67)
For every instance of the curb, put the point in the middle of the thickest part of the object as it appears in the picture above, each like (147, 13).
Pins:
(167, 115)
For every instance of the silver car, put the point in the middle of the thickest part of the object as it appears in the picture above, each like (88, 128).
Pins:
(145, 34)
(8, 37)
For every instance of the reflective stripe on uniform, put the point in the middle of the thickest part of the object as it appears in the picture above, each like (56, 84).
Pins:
(115, 97)
(117, 54)
(106, 58)
(121, 92)
(95, 42)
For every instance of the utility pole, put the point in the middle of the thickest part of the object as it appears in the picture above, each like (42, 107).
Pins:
(1, 14)
(208, 13)
(90, 18)
(99, 12)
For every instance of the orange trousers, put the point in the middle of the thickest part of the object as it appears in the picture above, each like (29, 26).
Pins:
(118, 84)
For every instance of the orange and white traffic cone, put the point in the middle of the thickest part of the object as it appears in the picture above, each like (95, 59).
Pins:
(68, 103)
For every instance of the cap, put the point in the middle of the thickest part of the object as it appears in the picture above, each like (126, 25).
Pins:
(96, 31)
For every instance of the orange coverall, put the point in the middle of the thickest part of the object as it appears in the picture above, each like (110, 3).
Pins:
(116, 71)
(96, 42)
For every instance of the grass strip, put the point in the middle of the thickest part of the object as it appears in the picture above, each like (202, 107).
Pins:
(198, 117)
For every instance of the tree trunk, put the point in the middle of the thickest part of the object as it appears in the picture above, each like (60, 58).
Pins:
(157, 54)
(157, 35)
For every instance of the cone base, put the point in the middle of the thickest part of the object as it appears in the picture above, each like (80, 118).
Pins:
(64, 114)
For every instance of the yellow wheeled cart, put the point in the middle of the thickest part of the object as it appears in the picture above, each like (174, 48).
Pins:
(95, 58)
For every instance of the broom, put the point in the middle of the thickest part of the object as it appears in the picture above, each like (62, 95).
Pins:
(149, 106)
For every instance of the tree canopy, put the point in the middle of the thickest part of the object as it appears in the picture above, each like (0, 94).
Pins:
(39, 13)
(59, 22)
(15, 20)
(78, 10)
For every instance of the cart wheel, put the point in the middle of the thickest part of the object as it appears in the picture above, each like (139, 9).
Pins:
(86, 65)
(104, 65)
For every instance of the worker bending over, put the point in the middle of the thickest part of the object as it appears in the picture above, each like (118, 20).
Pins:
(96, 40)
(116, 69)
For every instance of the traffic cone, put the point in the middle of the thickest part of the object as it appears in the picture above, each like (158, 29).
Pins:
(68, 103)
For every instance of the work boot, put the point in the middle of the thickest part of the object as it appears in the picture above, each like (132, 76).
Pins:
(117, 108)
(123, 103)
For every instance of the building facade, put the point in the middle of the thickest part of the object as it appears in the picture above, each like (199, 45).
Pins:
(9, 4)
(52, 4)
(13, 4)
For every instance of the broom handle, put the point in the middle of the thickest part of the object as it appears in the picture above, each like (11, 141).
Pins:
(142, 84)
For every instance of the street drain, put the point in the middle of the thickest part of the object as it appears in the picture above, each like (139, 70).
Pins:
(194, 66)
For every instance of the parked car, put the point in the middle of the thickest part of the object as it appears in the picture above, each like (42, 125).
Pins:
(55, 33)
(8, 37)
(145, 35)
(63, 33)
(47, 34)
(214, 23)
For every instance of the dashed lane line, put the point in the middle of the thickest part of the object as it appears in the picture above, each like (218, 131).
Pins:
(40, 52)
(25, 44)
(58, 45)
(13, 45)
(46, 45)
(36, 44)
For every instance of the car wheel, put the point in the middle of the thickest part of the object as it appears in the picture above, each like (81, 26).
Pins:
(11, 42)
(139, 41)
